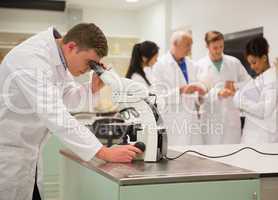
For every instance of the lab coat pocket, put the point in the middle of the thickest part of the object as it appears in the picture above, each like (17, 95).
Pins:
(15, 168)
(15, 193)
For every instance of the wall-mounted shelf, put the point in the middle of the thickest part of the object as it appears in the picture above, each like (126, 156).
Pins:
(10, 40)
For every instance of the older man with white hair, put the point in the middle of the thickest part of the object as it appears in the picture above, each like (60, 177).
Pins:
(176, 80)
(175, 70)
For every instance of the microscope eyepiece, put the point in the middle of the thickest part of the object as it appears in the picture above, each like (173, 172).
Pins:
(98, 68)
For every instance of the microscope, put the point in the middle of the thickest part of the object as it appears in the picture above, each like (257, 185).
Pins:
(135, 107)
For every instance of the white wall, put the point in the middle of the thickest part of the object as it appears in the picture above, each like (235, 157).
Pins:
(152, 21)
(30, 21)
(156, 21)
(226, 16)
(148, 23)
(113, 22)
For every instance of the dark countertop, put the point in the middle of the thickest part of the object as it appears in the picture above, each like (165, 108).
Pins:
(187, 168)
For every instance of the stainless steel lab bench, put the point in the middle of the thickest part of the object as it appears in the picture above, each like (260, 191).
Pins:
(187, 178)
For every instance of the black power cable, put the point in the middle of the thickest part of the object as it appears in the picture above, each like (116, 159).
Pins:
(221, 156)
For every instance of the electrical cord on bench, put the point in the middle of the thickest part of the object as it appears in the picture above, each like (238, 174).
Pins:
(220, 156)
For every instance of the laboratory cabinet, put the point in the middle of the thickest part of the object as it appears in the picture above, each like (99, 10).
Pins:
(188, 178)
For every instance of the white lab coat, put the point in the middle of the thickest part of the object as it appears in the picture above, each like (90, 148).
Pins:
(35, 89)
(220, 118)
(149, 75)
(258, 100)
(179, 113)
(160, 101)
(169, 77)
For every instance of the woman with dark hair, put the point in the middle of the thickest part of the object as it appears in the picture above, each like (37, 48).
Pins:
(144, 55)
(258, 98)
(256, 54)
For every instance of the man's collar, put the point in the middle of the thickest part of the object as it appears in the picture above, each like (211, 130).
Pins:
(54, 50)
(57, 35)
(182, 60)
(172, 58)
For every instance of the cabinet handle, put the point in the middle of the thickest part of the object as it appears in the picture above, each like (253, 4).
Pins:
(255, 196)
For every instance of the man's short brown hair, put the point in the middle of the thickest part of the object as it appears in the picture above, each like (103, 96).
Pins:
(88, 36)
(213, 36)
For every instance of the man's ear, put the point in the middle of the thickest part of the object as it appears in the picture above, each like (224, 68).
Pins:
(176, 43)
(264, 58)
(144, 59)
(70, 46)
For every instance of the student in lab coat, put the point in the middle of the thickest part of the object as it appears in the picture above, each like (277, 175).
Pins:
(258, 98)
(221, 74)
(175, 77)
(37, 87)
(144, 56)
